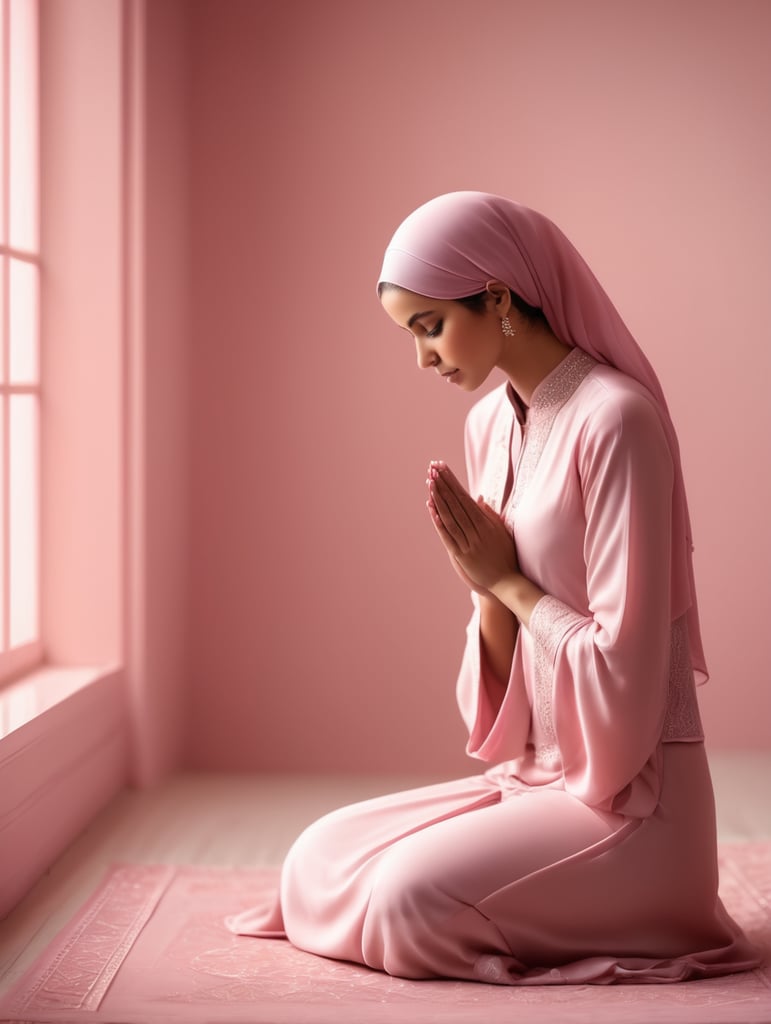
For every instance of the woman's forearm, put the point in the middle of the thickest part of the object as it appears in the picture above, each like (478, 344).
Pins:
(498, 631)
(518, 595)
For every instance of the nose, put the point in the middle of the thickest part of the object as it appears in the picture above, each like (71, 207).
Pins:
(426, 356)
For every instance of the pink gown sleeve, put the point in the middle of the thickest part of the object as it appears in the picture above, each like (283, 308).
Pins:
(599, 674)
(496, 712)
(604, 676)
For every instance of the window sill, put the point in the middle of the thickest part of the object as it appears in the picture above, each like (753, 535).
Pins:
(32, 697)
(63, 756)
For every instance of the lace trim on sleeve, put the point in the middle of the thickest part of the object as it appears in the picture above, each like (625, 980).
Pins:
(682, 720)
(549, 621)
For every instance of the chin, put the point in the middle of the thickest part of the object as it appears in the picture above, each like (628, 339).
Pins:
(472, 383)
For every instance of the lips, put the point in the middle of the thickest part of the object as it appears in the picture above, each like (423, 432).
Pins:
(450, 375)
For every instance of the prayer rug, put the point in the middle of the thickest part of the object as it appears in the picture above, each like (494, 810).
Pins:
(150, 947)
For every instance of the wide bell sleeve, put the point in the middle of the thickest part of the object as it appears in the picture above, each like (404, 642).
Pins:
(495, 711)
(601, 679)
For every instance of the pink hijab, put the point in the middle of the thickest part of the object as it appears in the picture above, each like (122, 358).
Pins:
(453, 245)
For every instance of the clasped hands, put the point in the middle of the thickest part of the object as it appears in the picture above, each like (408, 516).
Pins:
(480, 547)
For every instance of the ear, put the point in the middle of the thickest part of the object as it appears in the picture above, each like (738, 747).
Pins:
(500, 295)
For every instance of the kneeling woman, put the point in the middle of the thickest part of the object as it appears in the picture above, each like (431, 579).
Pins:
(588, 853)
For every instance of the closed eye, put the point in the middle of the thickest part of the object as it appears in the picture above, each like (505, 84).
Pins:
(435, 331)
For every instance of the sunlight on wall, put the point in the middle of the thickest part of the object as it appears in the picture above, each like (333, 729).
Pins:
(24, 519)
(19, 333)
(23, 99)
(24, 315)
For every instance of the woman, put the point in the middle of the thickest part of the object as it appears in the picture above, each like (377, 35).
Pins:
(588, 853)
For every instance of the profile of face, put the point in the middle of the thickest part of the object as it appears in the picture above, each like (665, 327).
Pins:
(462, 345)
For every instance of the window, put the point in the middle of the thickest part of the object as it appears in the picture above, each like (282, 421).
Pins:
(20, 645)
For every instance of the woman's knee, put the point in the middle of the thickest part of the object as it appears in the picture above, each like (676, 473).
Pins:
(400, 890)
(416, 928)
(313, 845)
(404, 903)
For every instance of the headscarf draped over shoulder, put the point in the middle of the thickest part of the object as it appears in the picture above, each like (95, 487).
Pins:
(453, 245)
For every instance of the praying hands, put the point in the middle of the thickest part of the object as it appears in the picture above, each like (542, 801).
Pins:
(480, 548)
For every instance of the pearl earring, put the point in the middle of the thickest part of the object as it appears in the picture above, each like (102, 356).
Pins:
(506, 327)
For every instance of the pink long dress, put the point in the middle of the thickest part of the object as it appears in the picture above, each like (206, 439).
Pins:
(588, 853)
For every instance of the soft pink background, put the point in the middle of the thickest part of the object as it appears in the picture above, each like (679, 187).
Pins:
(236, 560)
(235, 551)
(236, 434)
(325, 626)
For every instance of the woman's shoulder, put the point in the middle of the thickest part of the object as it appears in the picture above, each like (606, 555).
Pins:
(610, 391)
(606, 401)
(611, 403)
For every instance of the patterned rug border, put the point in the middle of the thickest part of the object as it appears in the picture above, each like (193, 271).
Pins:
(76, 970)
(89, 979)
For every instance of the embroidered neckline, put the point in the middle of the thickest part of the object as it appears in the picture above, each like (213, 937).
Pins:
(557, 387)
(548, 398)
(550, 388)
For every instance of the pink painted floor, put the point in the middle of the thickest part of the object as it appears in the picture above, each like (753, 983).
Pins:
(150, 946)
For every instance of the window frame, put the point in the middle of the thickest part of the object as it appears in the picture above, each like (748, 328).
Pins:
(17, 658)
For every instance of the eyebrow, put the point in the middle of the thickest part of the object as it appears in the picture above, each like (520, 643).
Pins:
(417, 316)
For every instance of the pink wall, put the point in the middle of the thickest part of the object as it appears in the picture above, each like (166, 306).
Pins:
(325, 626)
